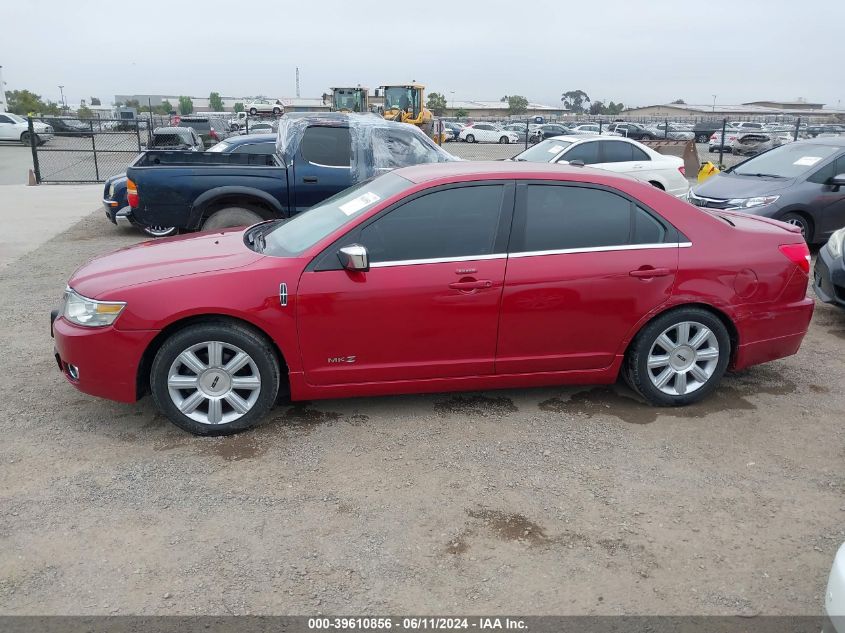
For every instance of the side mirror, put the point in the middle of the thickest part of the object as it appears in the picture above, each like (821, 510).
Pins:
(354, 257)
(837, 181)
(576, 163)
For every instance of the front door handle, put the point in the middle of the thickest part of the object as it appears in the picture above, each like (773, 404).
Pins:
(309, 179)
(471, 285)
(647, 272)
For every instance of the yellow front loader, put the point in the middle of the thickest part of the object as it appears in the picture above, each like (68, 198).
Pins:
(406, 104)
(350, 99)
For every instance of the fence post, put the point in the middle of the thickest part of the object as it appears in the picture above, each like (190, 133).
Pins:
(440, 132)
(527, 128)
(94, 150)
(666, 129)
(797, 125)
(33, 145)
(722, 143)
(600, 124)
(138, 134)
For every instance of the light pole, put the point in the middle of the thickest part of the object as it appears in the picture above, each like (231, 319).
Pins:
(62, 92)
(714, 102)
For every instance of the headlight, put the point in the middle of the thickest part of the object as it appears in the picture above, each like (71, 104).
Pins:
(747, 203)
(111, 190)
(834, 244)
(88, 312)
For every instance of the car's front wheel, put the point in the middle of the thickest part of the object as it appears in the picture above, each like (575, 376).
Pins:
(215, 378)
(276, 111)
(504, 139)
(679, 357)
(796, 219)
(470, 138)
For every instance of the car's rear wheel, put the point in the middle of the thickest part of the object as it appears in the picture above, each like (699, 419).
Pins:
(230, 217)
(802, 222)
(26, 140)
(702, 138)
(679, 357)
(215, 378)
(276, 111)
(470, 138)
(253, 111)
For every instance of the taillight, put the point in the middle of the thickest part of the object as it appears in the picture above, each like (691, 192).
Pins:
(683, 171)
(798, 254)
(132, 194)
(214, 135)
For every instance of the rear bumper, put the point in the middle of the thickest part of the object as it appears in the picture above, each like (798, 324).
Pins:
(106, 359)
(829, 278)
(784, 329)
(117, 215)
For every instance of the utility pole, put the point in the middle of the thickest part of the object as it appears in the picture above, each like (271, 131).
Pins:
(2, 92)
(297, 82)
(714, 102)
(62, 91)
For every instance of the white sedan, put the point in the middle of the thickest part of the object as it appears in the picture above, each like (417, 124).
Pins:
(618, 154)
(834, 597)
(593, 128)
(16, 128)
(487, 133)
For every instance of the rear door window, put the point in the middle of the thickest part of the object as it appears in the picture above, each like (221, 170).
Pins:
(616, 152)
(587, 152)
(329, 146)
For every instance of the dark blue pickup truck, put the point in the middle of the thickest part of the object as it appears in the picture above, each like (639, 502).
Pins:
(318, 155)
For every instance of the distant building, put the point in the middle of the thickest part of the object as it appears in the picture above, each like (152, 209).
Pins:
(498, 109)
(753, 110)
(201, 104)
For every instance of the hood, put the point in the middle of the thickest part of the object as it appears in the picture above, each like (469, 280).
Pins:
(728, 185)
(163, 259)
(116, 179)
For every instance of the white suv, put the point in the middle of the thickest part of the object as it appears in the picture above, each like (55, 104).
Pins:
(265, 106)
(16, 128)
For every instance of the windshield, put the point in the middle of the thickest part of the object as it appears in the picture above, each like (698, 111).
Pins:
(350, 100)
(544, 151)
(15, 117)
(400, 97)
(308, 228)
(787, 161)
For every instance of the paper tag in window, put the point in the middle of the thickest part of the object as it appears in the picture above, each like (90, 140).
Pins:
(554, 149)
(807, 160)
(364, 200)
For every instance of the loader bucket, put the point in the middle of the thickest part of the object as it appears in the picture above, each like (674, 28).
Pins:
(707, 169)
(682, 149)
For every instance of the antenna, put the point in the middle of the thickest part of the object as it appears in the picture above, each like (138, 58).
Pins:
(297, 82)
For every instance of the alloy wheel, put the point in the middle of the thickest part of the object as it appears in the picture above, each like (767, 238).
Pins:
(214, 382)
(683, 358)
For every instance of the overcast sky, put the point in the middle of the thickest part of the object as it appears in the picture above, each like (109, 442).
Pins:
(640, 53)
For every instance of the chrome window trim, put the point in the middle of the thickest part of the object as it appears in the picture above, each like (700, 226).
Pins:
(602, 249)
(563, 251)
(437, 260)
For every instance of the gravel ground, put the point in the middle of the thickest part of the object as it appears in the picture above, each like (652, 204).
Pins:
(552, 501)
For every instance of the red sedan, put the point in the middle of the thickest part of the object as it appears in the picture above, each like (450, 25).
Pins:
(442, 277)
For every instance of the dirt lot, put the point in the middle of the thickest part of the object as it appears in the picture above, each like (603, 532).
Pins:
(543, 501)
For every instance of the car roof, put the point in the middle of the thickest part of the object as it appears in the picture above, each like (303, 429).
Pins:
(251, 138)
(428, 172)
(838, 141)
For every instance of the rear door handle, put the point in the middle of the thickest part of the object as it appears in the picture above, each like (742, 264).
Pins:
(309, 179)
(648, 273)
(471, 285)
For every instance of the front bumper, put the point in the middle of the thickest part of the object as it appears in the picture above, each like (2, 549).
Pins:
(829, 278)
(104, 360)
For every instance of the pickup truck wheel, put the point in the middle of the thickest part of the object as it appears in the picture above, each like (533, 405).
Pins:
(229, 217)
(159, 231)
(215, 378)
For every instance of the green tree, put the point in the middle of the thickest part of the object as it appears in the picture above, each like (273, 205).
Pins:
(574, 100)
(239, 107)
(166, 107)
(436, 102)
(84, 112)
(680, 101)
(517, 104)
(95, 101)
(133, 103)
(215, 102)
(186, 106)
(461, 113)
(51, 107)
(23, 102)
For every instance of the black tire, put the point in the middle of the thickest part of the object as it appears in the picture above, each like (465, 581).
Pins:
(470, 138)
(639, 376)
(276, 111)
(801, 221)
(504, 140)
(233, 128)
(702, 138)
(253, 111)
(256, 346)
(26, 141)
(230, 217)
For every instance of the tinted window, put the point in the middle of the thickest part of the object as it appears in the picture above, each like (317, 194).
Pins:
(543, 152)
(638, 154)
(587, 152)
(5, 119)
(457, 222)
(560, 217)
(199, 126)
(647, 229)
(616, 152)
(394, 148)
(327, 146)
(255, 148)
